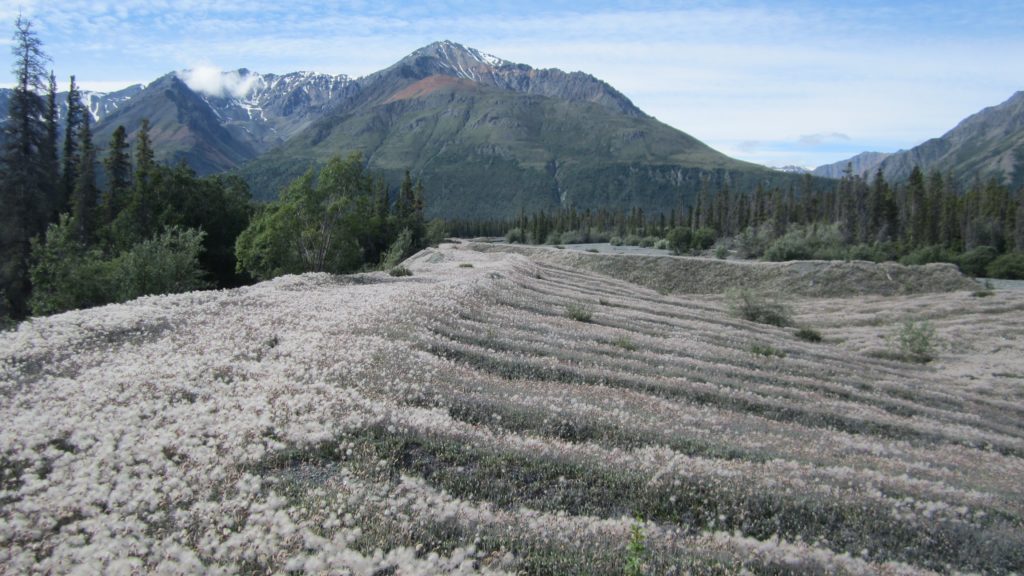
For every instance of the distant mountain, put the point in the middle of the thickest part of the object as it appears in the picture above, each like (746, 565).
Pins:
(989, 144)
(490, 138)
(791, 169)
(865, 163)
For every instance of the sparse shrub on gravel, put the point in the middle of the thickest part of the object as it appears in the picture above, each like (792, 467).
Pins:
(766, 350)
(758, 307)
(808, 334)
(399, 271)
(579, 312)
(916, 341)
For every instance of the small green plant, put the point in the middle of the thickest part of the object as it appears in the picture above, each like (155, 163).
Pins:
(635, 549)
(625, 343)
(916, 341)
(466, 265)
(603, 302)
(766, 350)
(594, 250)
(400, 271)
(808, 334)
(579, 312)
(982, 293)
(721, 252)
(757, 307)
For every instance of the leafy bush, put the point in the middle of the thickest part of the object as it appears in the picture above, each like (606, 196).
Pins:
(398, 251)
(632, 240)
(807, 243)
(757, 307)
(916, 341)
(466, 265)
(703, 239)
(1009, 266)
(572, 237)
(516, 236)
(927, 255)
(974, 262)
(615, 241)
(66, 275)
(399, 271)
(679, 239)
(648, 241)
(437, 231)
(661, 244)
(579, 312)
(722, 252)
(753, 241)
(165, 264)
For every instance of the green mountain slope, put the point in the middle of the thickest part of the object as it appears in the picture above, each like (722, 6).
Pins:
(489, 140)
(988, 144)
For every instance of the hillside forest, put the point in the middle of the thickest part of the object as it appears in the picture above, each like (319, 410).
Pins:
(84, 226)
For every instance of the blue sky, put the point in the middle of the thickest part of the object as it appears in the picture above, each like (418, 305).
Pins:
(776, 83)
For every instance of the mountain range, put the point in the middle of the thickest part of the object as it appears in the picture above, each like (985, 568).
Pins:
(488, 137)
(988, 144)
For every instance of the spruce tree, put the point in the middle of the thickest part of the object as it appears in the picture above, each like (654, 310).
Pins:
(50, 159)
(118, 167)
(72, 129)
(85, 194)
(23, 193)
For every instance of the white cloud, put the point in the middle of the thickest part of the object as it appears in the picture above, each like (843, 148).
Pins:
(213, 81)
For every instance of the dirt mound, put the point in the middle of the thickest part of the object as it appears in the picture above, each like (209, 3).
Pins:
(686, 275)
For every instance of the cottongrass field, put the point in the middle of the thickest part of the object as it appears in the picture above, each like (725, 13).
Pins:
(496, 414)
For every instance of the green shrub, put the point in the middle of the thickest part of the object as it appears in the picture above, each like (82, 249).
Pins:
(661, 244)
(766, 350)
(579, 312)
(466, 265)
(808, 334)
(679, 239)
(399, 271)
(635, 550)
(916, 341)
(974, 262)
(516, 236)
(813, 242)
(398, 251)
(927, 255)
(437, 231)
(166, 264)
(615, 241)
(1009, 266)
(648, 241)
(625, 343)
(757, 307)
(66, 275)
(572, 237)
(703, 239)
(632, 240)
(722, 252)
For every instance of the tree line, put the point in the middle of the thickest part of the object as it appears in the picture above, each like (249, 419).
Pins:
(927, 218)
(78, 230)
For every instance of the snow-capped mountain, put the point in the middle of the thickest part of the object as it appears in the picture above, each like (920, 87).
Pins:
(266, 109)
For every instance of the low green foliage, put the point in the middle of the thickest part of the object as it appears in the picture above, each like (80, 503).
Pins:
(67, 274)
(400, 271)
(466, 265)
(722, 252)
(808, 334)
(579, 312)
(916, 340)
(1009, 266)
(758, 307)
(635, 550)
(398, 250)
(625, 343)
(975, 261)
(766, 350)
(679, 239)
